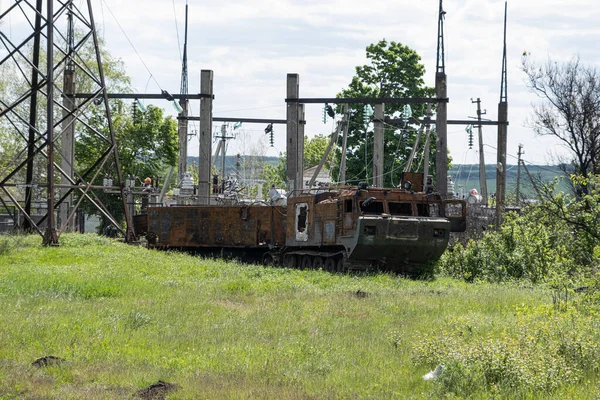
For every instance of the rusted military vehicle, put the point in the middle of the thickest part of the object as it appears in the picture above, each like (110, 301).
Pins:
(337, 229)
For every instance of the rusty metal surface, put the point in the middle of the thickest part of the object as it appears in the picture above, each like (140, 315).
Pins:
(216, 226)
(140, 224)
(415, 179)
(335, 229)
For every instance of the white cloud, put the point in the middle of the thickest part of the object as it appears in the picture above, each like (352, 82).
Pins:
(252, 44)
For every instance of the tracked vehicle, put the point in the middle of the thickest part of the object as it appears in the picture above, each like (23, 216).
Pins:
(401, 230)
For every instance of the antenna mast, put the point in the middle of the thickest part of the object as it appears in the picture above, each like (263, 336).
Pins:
(503, 83)
(184, 103)
(440, 66)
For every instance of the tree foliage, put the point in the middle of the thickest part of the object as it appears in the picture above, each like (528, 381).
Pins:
(394, 70)
(569, 109)
(314, 148)
(146, 145)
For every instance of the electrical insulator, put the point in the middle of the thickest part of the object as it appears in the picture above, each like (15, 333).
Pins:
(367, 112)
(269, 130)
(469, 130)
(134, 111)
(406, 113)
(325, 113)
(330, 111)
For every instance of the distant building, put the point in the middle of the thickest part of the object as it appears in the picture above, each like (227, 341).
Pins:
(323, 179)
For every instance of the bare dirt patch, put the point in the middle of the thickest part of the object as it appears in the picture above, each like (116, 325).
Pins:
(156, 391)
(47, 361)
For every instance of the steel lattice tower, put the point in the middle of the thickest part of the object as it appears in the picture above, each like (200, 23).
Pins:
(46, 120)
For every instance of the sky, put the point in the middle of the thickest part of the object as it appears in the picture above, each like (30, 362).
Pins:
(251, 45)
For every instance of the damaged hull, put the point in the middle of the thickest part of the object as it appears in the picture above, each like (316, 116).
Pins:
(336, 229)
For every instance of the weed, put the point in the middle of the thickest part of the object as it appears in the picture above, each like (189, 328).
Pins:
(126, 317)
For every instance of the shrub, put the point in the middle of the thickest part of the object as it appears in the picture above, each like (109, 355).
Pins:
(549, 242)
(542, 351)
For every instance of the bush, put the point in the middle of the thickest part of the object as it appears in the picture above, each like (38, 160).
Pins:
(542, 351)
(552, 241)
(526, 247)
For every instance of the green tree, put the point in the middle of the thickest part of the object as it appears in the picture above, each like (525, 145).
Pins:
(569, 110)
(313, 152)
(394, 70)
(314, 149)
(9, 142)
(147, 145)
(274, 175)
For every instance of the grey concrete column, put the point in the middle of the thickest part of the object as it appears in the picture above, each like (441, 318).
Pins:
(344, 145)
(205, 138)
(301, 123)
(441, 129)
(183, 139)
(426, 186)
(378, 146)
(292, 145)
(482, 177)
(501, 166)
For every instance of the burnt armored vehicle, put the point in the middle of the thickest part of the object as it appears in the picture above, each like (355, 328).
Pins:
(338, 229)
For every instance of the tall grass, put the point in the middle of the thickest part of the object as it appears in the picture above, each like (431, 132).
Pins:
(125, 317)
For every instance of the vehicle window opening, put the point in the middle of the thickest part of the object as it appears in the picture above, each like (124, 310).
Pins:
(348, 205)
(422, 210)
(400, 208)
(302, 219)
(375, 207)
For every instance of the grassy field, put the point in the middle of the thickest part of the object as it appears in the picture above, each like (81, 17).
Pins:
(123, 318)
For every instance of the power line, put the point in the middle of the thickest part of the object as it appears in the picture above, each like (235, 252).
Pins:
(132, 46)
(527, 161)
(177, 31)
(248, 109)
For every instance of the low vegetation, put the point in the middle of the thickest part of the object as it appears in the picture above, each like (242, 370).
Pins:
(556, 241)
(121, 320)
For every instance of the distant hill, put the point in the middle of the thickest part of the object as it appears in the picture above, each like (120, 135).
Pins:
(247, 163)
(467, 175)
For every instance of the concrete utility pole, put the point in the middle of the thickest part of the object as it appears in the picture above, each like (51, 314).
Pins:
(426, 149)
(482, 177)
(301, 122)
(537, 191)
(223, 139)
(205, 139)
(378, 146)
(182, 133)
(519, 173)
(68, 125)
(441, 92)
(346, 123)
(293, 156)
(413, 152)
(184, 103)
(502, 135)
